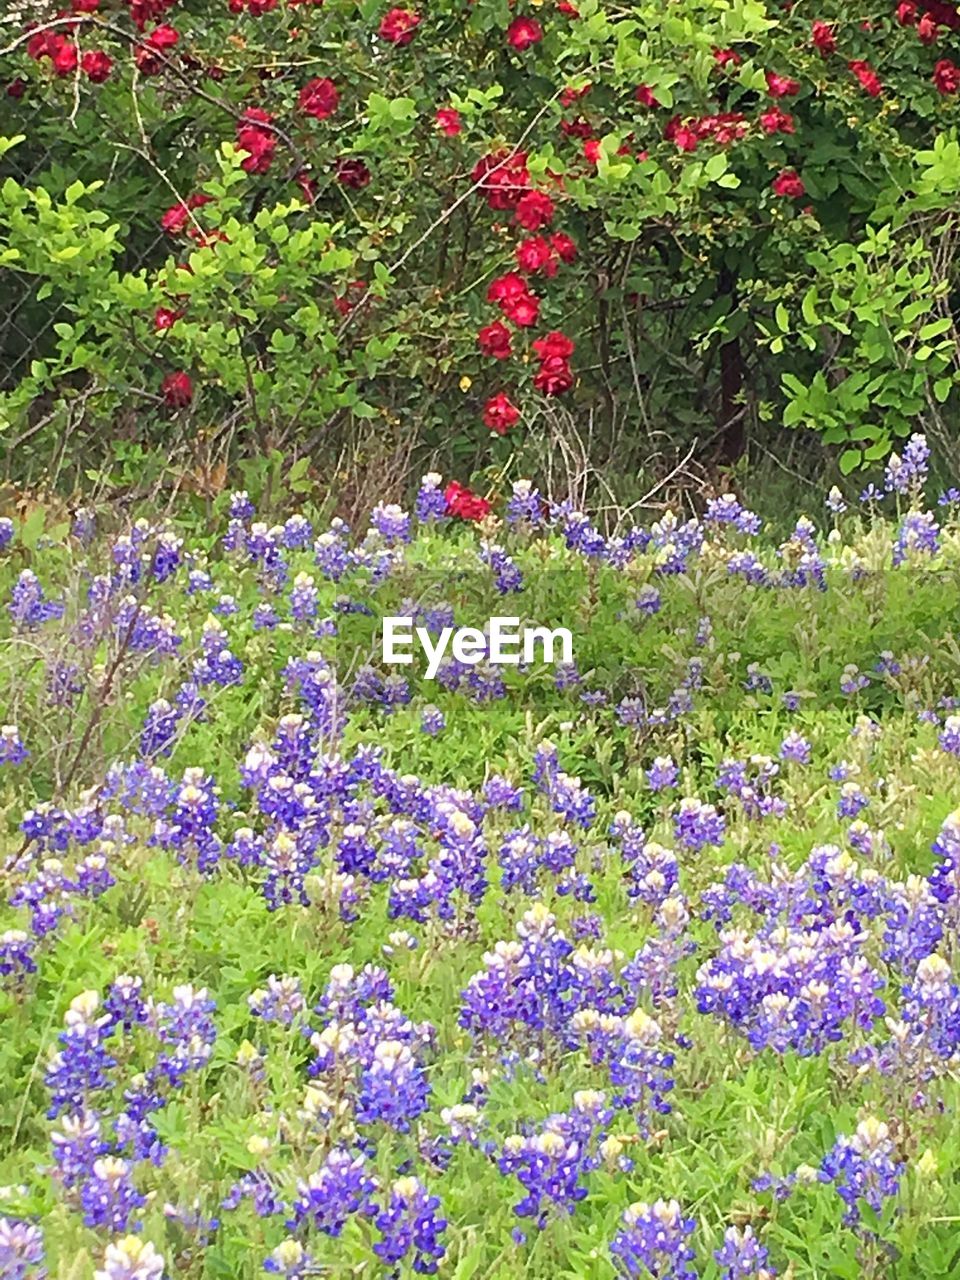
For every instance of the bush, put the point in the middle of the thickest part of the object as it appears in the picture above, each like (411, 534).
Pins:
(276, 223)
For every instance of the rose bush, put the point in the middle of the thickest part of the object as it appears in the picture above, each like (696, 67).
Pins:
(263, 222)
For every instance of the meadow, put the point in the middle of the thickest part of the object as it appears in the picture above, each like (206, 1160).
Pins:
(643, 965)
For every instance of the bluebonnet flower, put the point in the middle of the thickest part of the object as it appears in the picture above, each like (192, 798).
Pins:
(16, 954)
(21, 1250)
(917, 536)
(281, 1001)
(949, 737)
(949, 498)
(12, 750)
(291, 1261)
(6, 532)
(662, 774)
(409, 1222)
(863, 1167)
(341, 1187)
(431, 505)
(108, 1196)
(304, 598)
(391, 522)
(525, 506)
(241, 508)
(653, 1241)
(432, 720)
(795, 748)
(835, 502)
(29, 607)
(297, 532)
(743, 1257)
(131, 1258)
(548, 1166)
(697, 824)
(159, 730)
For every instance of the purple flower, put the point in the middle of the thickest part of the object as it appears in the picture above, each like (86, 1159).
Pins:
(409, 1223)
(653, 1241)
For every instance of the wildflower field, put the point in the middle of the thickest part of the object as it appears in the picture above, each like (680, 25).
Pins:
(641, 965)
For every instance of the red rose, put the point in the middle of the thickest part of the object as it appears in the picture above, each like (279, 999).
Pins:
(727, 58)
(789, 183)
(163, 37)
(645, 96)
(534, 210)
(554, 377)
(686, 138)
(84, 6)
(824, 38)
(319, 98)
(398, 26)
(927, 29)
(523, 32)
(499, 414)
(464, 504)
(494, 340)
(523, 311)
(536, 255)
(946, 76)
(591, 150)
(563, 247)
(555, 345)
(867, 77)
(506, 287)
(781, 86)
(907, 13)
(96, 65)
(177, 389)
(448, 121)
(352, 172)
(502, 178)
(568, 9)
(571, 95)
(259, 143)
(63, 55)
(164, 318)
(776, 121)
(16, 88)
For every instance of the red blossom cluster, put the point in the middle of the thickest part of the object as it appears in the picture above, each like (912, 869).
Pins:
(523, 32)
(399, 26)
(150, 55)
(464, 503)
(946, 76)
(177, 218)
(319, 98)
(259, 143)
(723, 129)
(554, 376)
(177, 389)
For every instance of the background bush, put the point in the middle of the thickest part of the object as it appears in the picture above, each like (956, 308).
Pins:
(761, 199)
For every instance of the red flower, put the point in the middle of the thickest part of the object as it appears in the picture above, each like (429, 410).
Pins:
(178, 215)
(494, 340)
(571, 95)
(824, 37)
(259, 143)
(591, 150)
(398, 26)
(464, 504)
(645, 96)
(907, 13)
(351, 172)
(523, 32)
(789, 183)
(506, 287)
(867, 77)
(502, 178)
(555, 345)
(96, 65)
(163, 37)
(534, 210)
(554, 377)
(523, 311)
(84, 6)
(177, 389)
(563, 247)
(927, 29)
(776, 121)
(568, 9)
(536, 255)
(164, 318)
(727, 58)
(499, 414)
(63, 55)
(946, 76)
(448, 121)
(319, 98)
(781, 86)
(17, 88)
(686, 138)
